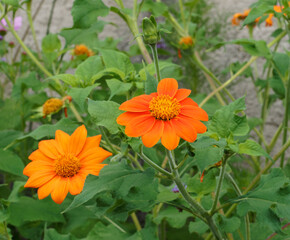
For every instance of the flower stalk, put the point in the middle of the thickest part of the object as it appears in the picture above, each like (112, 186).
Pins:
(156, 63)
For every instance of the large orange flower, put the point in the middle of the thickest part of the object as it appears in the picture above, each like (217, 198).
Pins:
(61, 165)
(168, 114)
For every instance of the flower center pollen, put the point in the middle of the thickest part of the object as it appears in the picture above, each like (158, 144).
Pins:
(67, 166)
(164, 107)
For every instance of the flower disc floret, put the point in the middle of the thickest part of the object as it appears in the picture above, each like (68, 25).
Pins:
(67, 166)
(164, 107)
(52, 105)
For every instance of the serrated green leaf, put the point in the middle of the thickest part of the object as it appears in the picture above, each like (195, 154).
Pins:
(48, 130)
(250, 147)
(198, 226)
(117, 87)
(118, 60)
(205, 142)
(79, 95)
(105, 113)
(282, 62)
(11, 163)
(28, 209)
(173, 216)
(87, 69)
(51, 43)
(270, 200)
(86, 12)
(69, 79)
(228, 225)
(119, 178)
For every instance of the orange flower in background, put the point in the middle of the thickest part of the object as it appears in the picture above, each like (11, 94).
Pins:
(61, 165)
(186, 41)
(167, 114)
(83, 50)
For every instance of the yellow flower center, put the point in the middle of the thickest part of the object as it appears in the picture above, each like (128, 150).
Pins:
(164, 107)
(51, 105)
(67, 166)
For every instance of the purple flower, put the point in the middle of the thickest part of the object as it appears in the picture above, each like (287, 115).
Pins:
(176, 190)
(17, 24)
(161, 44)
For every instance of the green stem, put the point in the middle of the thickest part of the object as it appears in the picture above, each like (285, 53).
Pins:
(75, 112)
(219, 186)
(176, 25)
(182, 13)
(30, 20)
(154, 165)
(136, 221)
(50, 17)
(155, 59)
(6, 231)
(239, 193)
(251, 60)
(285, 122)
(114, 224)
(107, 140)
(275, 138)
(192, 203)
(199, 62)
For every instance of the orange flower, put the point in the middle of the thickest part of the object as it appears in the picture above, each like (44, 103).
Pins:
(52, 105)
(61, 165)
(186, 41)
(82, 50)
(168, 114)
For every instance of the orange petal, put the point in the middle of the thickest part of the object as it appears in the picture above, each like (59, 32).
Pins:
(77, 140)
(38, 155)
(137, 104)
(199, 126)
(76, 184)
(91, 143)
(188, 101)
(60, 190)
(95, 155)
(49, 148)
(126, 117)
(47, 188)
(152, 137)
(169, 138)
(35, 166)
(182, 94)
(140, 125)
(194, 112)
(92, 169)
(62, 140)
(184, 129)
(38, 179)
(167, 86)
(154, 94)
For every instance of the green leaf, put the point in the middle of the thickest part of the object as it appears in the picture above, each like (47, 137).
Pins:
(156, 8)
(105, 113)
(208, 156)
(79, 95)
(118, 60)
(258, 11)
(225, 121)
(69, 79)
(121, 179)
(150, 83)
(198, 226)
(282, 63)
(205, 142)
(166, 195)
(228, 225)
(270, 200)
(51, 43)
(8, 136)
(28, 209)
(11, 163)
(10, 115)
(278, 87)
(14, 3)
(90, 67)
(48, 130)
(86, 12)
(250, 147)
(52, 234)
(173, 216)
(88, 36)
(118, 87)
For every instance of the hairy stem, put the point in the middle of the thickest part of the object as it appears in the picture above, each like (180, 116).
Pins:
(155, 59)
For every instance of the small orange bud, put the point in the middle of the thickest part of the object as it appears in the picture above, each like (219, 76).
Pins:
(52, 105)
(83, 50)
(186, 41)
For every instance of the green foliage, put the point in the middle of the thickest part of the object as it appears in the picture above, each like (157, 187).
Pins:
(86, 12)
(252, 148)
(270, 200)
(11, 163)
(104, 113)
(118, 87)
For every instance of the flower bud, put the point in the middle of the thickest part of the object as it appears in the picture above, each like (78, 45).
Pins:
(11, 44)
(151, 34)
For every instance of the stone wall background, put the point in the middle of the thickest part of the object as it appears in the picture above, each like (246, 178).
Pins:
(217, 61)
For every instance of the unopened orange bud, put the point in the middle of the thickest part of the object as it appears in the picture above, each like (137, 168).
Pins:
(52, 105)
(186, 42)
(83, 50)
